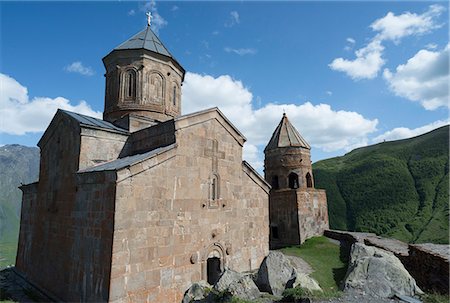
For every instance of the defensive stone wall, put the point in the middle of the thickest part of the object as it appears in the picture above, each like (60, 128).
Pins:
(427, 263)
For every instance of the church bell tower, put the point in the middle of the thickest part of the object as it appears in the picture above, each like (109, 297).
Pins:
(297, 211)
(143, 80)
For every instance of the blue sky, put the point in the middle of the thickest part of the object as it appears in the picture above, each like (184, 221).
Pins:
(347, 74)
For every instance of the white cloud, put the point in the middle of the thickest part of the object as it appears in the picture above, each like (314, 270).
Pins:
(431, 46)
(369, 59)
(404, 132)
(322, 126)
(392, 27)
(21, 115)
(78, 67)
(131, 12)
(329, 93)
(241, 51)
(157, 21)
(350, 40)
(174, 8)
(366, 65)
(423, 78)
(233, 19)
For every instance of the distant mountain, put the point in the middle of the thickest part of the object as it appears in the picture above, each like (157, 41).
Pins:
(398, 189)
(18, 165)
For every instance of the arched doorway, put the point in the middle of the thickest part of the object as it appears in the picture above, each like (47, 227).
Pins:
(213, 270)
(213, 263)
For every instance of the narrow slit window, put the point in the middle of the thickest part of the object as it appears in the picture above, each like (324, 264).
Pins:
(174, 100)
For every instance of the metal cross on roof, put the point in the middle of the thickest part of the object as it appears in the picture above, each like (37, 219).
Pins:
(149, 18)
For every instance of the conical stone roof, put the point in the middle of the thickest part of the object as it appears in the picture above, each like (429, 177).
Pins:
(285, 135)
(145, 39)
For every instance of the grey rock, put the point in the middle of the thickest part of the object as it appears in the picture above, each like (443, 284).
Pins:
(275, 274)
(198, 291)
(378, 273)
(238, 285)
(306, 282)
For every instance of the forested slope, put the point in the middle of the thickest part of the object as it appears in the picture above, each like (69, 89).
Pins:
(398, 189)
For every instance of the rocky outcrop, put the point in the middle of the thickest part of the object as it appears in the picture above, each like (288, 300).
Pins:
(275, 274)
(306, 282)
(378, 273)
(197, 292)
(238, 285)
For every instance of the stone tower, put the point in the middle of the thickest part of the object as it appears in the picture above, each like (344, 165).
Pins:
(297, 210)
(142, 80)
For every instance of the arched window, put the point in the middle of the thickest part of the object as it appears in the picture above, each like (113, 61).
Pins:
(275, 184)
(130, 85)
(308, 180)
(293, 180)
(156, 87)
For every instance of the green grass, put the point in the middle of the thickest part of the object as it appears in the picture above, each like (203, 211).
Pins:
(435, 298)
(326, 261)
(7, 253)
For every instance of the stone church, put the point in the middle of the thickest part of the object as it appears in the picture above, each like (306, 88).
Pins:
(137, 206)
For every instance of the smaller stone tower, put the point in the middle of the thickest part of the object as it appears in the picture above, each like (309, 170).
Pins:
(142, 79)
(297, 210)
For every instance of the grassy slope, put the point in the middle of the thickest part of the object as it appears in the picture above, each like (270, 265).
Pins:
(325, 259)
(397, 189)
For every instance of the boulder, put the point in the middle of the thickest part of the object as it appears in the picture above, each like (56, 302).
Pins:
(306, 282)
(238, 285)
(275, 274)
(198, 291)
(378, 273)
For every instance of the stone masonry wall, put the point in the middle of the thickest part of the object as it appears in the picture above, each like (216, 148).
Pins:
(429, 265)
(44, 252)
(167, 224)
(98, 146)
(284, 229)
(90, 229)
(153, 137)
(312, 213)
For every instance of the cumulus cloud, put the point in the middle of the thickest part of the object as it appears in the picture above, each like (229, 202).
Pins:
(423, 78)
(131, 12)
(233, 19)
(404, 132)
(21, 115)
(366, 65)
(392, 27)
(78, 67)
(369, 59)
(350, 40)
(157, 21)
(241, 51)
(322, 126)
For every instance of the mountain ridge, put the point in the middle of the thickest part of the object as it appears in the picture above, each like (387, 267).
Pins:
(396, 188)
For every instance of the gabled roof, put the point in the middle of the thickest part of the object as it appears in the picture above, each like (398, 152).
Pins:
(93, 122)
(125, 162)
(285, 135)
(145, 39)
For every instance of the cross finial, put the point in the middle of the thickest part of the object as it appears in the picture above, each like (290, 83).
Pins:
(149, 18)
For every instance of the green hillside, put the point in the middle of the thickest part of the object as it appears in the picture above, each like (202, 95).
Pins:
(398, 189)
(18, 164)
